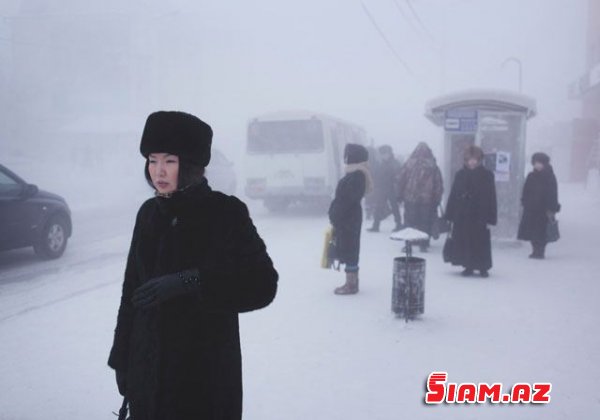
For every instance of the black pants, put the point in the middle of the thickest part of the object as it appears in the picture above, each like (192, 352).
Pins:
(383, 207)
(419, 216)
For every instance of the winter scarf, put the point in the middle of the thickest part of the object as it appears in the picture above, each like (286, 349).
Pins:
(362, 166)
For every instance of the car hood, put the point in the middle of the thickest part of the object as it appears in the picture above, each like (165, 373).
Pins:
(51, 196)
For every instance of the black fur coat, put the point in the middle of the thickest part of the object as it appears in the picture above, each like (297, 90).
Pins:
(540, 196)
(182, 359)
(471, 208)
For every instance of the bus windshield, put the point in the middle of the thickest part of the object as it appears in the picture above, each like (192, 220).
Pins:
(285, 136)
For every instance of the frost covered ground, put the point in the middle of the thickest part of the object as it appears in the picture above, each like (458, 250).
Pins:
(313, 355)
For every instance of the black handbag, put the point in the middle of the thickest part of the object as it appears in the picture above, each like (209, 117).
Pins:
(332, 251)
(439, 225)
(552, 232)
(449, 245)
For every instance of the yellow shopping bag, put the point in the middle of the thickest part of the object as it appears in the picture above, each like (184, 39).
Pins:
(328, 244)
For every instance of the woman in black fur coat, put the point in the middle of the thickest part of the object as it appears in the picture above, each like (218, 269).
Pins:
(471, 208)
(194, 263)
(540, 204)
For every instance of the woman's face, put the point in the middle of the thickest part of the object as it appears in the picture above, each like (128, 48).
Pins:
(472, 163)
(164, 171)
(538, 166)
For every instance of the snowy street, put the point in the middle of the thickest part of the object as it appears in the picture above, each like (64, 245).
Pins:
(314, 355)
(478, 111)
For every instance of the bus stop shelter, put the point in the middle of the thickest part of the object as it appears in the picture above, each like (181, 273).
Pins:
(495, 121)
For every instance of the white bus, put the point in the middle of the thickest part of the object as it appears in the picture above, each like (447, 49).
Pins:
(296, 157)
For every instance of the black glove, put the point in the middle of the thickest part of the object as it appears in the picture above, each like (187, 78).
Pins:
(160, 289)
(121, 381)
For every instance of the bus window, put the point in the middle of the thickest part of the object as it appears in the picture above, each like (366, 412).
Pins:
(285, 136)
(337, 155)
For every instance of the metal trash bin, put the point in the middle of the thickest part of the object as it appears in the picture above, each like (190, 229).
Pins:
(408, 297)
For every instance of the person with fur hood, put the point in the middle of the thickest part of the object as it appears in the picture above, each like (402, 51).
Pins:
(345, 213)
(420, 187)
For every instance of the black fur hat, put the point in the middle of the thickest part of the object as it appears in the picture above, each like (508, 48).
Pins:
(355, 153)
(177, 133)
(540, 157)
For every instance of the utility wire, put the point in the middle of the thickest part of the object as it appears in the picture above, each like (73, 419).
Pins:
(386, 40)
(419, 21)
(406, 16)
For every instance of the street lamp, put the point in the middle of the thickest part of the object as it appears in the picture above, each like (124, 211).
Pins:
(520, 65)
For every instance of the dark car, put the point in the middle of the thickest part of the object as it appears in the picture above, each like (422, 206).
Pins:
(32, 217)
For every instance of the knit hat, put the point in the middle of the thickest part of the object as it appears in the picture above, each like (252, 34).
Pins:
(177, 133)
(355, 153)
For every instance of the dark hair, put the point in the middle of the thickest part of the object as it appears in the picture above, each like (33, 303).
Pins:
(474, 152)
(386, 148)
(189, 173)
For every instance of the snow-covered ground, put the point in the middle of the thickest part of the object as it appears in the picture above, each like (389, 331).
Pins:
(314, 355)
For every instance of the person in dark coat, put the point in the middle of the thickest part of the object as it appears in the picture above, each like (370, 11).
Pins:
(384, 193)
(345, 213)
(471, 208)
(194, 263)
(540, 204)
(420, 188)
(370, 203)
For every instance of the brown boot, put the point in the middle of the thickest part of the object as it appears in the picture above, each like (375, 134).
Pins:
(351, 285)
(539, 249)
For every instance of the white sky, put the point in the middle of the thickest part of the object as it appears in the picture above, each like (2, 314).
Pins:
(237, 59)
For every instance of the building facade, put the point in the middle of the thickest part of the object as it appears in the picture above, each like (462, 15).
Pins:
(585, 154)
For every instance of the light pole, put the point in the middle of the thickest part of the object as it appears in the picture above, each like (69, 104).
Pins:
(520, 65)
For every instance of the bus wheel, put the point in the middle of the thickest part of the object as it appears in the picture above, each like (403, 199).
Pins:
(277, 205)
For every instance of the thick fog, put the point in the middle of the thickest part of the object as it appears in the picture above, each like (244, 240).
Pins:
(77, 82)
(75, 68)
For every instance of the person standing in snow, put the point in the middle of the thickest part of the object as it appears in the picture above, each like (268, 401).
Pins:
(371, 198)
(471, 208)
(540, 204)
(420, 188)
(384, 193)
(194, 263)
(345, 213)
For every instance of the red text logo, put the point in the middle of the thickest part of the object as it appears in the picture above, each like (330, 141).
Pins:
(440, 391)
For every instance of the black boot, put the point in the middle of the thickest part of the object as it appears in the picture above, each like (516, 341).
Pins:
(467, 272)
(533, 250)
(375, 227)
(542, 251)
(538, 251)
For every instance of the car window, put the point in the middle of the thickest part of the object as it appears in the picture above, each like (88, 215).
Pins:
(8, 186)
